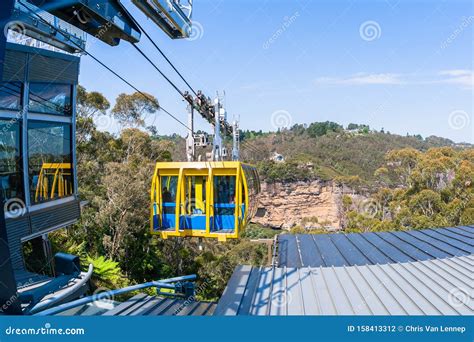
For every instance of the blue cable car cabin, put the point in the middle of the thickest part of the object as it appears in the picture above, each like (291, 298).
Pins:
(203, 199)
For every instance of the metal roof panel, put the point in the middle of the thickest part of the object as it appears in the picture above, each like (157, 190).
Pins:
(314, 250)
(429, 287)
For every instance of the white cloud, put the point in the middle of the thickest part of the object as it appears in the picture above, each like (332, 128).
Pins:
(464, 78)
(459, 77)
(360, 79)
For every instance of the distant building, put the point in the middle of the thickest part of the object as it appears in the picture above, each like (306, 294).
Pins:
(278, 157)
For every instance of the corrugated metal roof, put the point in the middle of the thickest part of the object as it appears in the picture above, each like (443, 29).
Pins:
(373, 248)
(144, 305)
(430, 287)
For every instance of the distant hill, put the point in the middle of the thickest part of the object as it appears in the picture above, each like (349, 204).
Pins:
(326, 150)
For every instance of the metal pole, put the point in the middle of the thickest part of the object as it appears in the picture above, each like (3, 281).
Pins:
(235, 139)
(217, 146)
(165, 284)
(190, 144)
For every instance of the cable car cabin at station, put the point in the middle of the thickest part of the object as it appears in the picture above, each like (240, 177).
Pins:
(203, 199)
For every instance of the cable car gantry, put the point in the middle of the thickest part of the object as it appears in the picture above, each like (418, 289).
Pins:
(206, 199)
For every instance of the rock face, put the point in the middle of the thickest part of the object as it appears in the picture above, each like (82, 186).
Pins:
(313, 204)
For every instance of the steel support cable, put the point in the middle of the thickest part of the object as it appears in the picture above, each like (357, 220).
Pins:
(252, 149)
(251, 146)
(164, 56)
(105, 66)
(161, 72)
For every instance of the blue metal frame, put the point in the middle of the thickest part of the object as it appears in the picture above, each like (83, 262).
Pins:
(180, 284)
(9, 303)
(37, 29)
(108, 20)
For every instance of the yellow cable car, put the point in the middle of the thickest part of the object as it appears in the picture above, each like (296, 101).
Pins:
(203, 199)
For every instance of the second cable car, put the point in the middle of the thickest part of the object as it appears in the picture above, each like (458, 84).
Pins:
(203, 199)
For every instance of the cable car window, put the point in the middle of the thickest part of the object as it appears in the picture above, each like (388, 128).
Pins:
(49, 161)
(224, 195)
(169, 186)
(50, 98)
(11, 180)
(10, 95)
(195, 195)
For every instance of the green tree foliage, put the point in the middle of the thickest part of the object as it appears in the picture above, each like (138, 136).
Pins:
(107, 273)
(318, 129)
(90, 105)
(431, 189)
(129, 110)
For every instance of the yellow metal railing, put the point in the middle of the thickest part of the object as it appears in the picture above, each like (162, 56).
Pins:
(61, 186)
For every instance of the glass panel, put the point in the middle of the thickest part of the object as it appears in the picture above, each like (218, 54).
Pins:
(253, 189)
(224, 195)
(169, 186)
(50, 98)
(11, 180)
(50, 170)
(10, 95)
(195, 195)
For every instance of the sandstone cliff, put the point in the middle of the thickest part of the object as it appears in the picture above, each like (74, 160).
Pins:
(312, 204)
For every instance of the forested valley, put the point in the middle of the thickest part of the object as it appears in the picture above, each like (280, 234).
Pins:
(410, 182)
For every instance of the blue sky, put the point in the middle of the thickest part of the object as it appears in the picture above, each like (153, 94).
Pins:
(404, 65)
